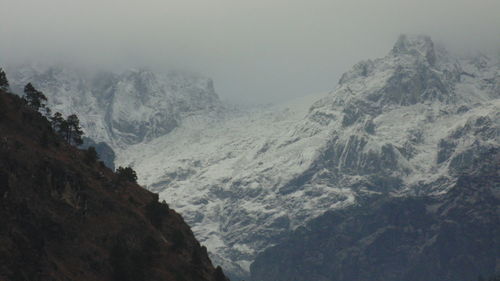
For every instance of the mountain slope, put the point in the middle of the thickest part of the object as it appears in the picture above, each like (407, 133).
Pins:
(121, 108)
(63, 217)
(408, 123)
(453, 236)
(228, 172)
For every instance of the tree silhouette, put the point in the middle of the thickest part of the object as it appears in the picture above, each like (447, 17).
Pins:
(74, 131)
(4, 83)
(59, 124)
(68, 129)
(33, 97)
(127, 174)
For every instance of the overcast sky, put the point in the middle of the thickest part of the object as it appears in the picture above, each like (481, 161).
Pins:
(255, 50)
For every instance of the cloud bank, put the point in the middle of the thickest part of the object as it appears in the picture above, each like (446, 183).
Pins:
(256, 51)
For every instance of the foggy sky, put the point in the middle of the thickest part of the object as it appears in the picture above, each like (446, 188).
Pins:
(255, 50)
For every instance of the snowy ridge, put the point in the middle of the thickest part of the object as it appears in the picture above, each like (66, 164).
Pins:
(121, 108)
(221, 171)
(405, 123)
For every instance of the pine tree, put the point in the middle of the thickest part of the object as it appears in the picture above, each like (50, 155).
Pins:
(64, 130)
(4, 83)
(68, 129)
(33, 97)
(74, 132)
(57, 121)
(127, 174)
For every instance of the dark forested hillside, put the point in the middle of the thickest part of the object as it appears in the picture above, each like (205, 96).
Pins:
(449, 237)
(65, 216)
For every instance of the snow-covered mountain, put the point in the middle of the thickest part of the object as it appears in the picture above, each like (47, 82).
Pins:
(453, 236)
(407, 123)
(122, 108)
(228, 178)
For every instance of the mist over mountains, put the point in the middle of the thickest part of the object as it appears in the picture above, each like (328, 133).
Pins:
(258, 51)
(121, 108)
(407, 124)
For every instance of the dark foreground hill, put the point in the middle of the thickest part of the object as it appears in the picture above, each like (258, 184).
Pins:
(66, 217)
(448, 237)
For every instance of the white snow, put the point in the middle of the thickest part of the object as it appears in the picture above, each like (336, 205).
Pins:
(226, 175)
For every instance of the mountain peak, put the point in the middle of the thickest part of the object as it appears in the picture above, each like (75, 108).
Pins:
(415, 45)
(122, 107)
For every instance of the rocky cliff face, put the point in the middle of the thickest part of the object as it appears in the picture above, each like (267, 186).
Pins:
(452, 236)
(63, 217)
(121, 108)
(417, 111)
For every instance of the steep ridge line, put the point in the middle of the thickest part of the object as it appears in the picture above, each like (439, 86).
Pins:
(65, 217)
